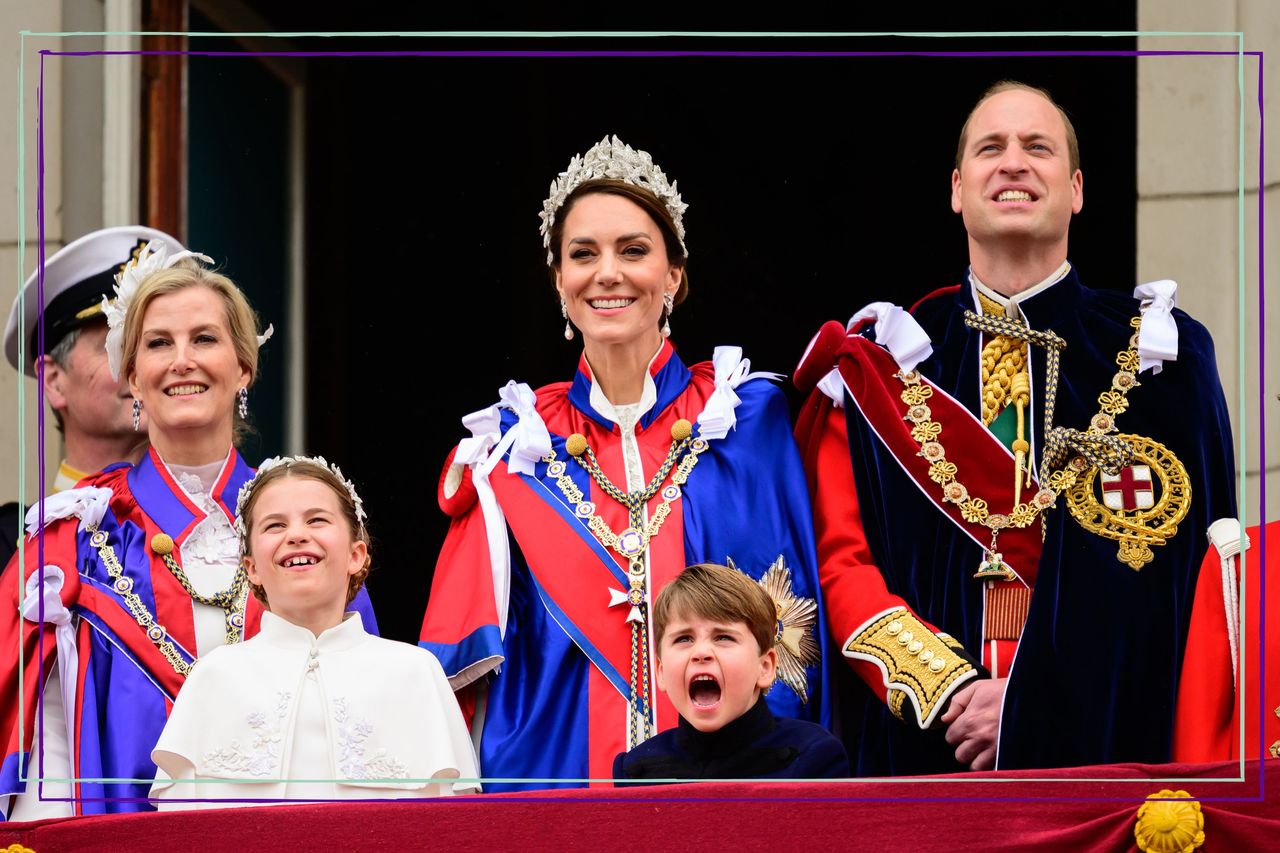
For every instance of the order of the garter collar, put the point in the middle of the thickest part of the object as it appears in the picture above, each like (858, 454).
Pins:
(612, 159)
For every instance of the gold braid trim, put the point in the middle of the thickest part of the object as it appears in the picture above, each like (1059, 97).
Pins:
(1003, 358)
(123, 585)
(915, 661)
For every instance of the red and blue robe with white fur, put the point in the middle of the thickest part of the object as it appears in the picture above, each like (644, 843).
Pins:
(522, 587)
(119, 685)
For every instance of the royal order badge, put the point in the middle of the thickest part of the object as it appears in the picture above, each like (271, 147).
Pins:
(1140, 505)
(796, 638)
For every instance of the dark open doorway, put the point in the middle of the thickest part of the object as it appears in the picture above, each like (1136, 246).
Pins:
(815, 184)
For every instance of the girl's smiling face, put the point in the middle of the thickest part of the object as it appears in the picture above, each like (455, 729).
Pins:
(301, 549)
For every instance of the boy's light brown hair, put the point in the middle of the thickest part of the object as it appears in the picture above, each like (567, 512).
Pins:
(719, 594)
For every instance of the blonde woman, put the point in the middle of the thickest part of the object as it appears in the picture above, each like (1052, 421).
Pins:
(139, 572)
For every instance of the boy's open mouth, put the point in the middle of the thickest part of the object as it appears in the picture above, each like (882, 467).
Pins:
(704, 691)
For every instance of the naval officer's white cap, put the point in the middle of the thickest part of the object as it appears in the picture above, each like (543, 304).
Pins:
(76, 278)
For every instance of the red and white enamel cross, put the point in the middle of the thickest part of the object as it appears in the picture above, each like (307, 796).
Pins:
(1129, 490)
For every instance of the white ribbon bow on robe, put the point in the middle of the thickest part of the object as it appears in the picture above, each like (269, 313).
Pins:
(46, 586)
(88, 502)
(485, 426)
(731, 370)
(528, 439)
(1158, 337)
(897, 331)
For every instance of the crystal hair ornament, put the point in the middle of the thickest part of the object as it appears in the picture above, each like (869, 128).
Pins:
(613, 159)
(286, 461)
(153, 258)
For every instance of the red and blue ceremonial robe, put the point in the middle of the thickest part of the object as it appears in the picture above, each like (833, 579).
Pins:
(1092, 648)
(525, 593)
(133, 633)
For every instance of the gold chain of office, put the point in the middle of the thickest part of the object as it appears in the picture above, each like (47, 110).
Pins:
(231, 601)
(1094, 448)
(633, 542)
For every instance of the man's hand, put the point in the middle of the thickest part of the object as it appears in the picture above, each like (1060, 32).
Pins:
(973, 722)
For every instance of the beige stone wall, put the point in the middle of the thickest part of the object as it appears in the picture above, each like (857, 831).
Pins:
(1188, 205)
(34, 15)
(73, 189)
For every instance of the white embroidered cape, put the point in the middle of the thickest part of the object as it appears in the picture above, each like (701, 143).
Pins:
(358, 716)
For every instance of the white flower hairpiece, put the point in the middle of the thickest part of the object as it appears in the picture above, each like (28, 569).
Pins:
(276, 462)
(612, 158)
(153, 258)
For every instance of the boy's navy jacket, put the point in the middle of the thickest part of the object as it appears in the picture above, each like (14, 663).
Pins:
(757, 745)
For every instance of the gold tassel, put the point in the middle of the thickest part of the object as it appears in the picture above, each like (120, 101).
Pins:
(1020, 391)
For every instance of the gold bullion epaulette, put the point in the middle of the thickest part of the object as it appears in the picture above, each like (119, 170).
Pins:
(916, 663)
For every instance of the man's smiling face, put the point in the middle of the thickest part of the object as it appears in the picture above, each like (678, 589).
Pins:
(1015, 183)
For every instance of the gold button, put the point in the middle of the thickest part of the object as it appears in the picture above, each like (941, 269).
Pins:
(926, 655)
(162, 544)
(894, 627)
(915, 647)
(905, 637)
(937, 664)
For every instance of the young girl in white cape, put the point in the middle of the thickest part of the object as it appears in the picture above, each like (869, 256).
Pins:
(312, 707)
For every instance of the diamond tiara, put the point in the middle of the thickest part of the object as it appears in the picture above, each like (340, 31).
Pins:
(611, 158)
(276, 462)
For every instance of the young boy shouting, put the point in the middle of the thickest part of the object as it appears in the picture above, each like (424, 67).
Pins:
(715, 630)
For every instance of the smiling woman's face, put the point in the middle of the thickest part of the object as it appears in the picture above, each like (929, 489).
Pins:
(186, 372)
(614, 271)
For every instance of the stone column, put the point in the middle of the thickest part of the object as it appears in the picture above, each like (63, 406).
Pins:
(1188, 204)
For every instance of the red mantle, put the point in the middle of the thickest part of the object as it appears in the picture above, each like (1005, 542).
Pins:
(1088, 808)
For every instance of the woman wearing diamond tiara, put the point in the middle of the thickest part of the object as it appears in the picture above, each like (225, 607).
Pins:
(572, 506)
(312, 707)
(141, 567)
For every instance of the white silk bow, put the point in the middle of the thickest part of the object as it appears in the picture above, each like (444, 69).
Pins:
(87, 502)
(528, 439)
(1158, 337)
(731, 370)
(898, 332)
(46, 585)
